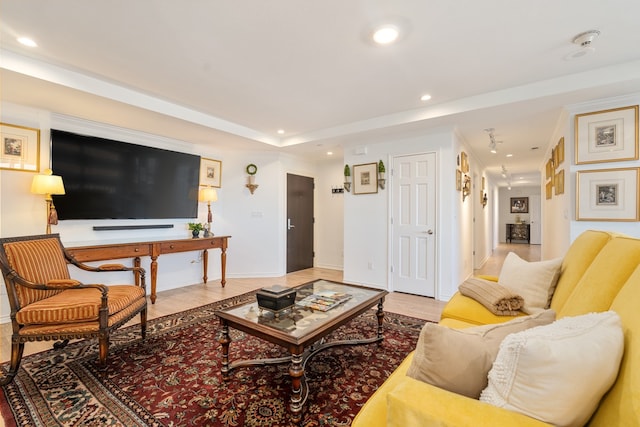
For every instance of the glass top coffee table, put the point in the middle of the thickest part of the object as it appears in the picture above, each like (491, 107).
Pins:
(301, 329)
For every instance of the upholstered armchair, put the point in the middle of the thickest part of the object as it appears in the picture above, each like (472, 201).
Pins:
(47, 304)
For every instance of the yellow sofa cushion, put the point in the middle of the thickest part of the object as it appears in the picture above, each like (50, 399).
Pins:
(77, 305)
(603, 279)
(413, 403)
(621, 405)
(576, 261)
(467, 310)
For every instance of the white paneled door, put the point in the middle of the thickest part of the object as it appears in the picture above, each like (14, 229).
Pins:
(413, 224)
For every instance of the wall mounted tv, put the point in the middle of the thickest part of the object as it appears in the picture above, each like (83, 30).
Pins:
(107, 179)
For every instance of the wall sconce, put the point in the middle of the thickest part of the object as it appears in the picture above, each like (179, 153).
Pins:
(381, 171)
(347, 178)
(251, 170)
(208, 195)
(483, 199)
(466, 186)
(48, 184)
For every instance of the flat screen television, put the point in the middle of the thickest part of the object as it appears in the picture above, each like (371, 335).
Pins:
(107, 179)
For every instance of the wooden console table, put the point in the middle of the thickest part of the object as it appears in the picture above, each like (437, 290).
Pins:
(154, 249)
(518, 232)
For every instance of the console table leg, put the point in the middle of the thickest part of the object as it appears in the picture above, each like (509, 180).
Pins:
(223, 265)
(205, 265)
(296, 372)
(154, 278)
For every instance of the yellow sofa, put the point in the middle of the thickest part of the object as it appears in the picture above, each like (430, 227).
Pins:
(600, 272)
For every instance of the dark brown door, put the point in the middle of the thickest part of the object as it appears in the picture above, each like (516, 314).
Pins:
(299, 222)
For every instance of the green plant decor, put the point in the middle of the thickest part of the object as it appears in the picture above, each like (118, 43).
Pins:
(196, 226)
(347, 170)
(381, 168)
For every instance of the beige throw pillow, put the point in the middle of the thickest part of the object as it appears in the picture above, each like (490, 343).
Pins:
(533, 281)
(558, 373)
(458, 360)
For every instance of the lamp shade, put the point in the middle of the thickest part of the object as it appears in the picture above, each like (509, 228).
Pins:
(208, 194)
(47, 184)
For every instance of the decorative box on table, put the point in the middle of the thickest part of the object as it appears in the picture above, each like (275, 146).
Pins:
(276, 298)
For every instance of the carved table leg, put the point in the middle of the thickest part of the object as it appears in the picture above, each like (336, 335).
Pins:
(154, 278)
(380, 314)
(225, 340)
(223, 265)
(296, 372)
(205, 265)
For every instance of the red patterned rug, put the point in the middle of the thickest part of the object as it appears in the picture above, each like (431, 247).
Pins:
(173, 377)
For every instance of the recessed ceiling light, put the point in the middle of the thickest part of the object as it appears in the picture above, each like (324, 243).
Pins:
(509, 155)
(329, 153)
(425, 97)
(281, 131)
(386, 34)
(27, 41)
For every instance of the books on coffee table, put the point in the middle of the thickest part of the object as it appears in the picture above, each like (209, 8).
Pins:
(324, 300)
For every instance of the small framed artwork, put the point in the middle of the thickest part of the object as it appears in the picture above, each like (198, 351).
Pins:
(210, 172)
(607, 136)
(549, 189)
(519, 205)
(559, 152)
(20, 148)
(458, 180)
(554, 158)
(365, 178)
(559, 182)
(607, 195)
(549, 169)
(464, 162)
(483, 183)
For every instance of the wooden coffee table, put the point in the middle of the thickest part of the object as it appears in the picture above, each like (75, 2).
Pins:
(301, 330)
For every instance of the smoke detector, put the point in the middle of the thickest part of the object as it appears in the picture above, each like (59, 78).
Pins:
(585, 41)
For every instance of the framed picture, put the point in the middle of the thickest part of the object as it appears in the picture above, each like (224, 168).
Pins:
(607, 195)
(519, 205)
(549, 189)
(458, 180)
(464, 162)
(210, 172)
(559, 182)
(559, 152)
(607, 136)
(20, 148)
(365, 178)
(549, 169)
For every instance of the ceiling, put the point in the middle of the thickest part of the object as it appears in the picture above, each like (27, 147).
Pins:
(231, 73)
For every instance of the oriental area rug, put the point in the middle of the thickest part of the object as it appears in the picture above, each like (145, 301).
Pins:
(173, 377)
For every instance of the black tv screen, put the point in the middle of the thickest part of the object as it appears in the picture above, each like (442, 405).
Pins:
(107, 179)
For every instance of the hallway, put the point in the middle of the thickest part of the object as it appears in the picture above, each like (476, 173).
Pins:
(493, 265)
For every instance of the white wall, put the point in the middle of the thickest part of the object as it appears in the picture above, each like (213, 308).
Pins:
(255, 222)
(366, 217)
(329, 208)
(560, 227)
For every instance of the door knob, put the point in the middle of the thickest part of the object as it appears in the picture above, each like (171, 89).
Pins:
(289, 225)
(429, 231)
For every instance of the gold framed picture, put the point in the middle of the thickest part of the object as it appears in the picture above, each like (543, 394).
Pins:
(20, 149)
(559, 152)
(559, 182)
(608, 195)
(210, 172)
(549, 190)
(464, 162)
(365, 178)
(458, 180)
(607, 136)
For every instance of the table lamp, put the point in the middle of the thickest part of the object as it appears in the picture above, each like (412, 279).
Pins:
(208, 195)
(48, 184)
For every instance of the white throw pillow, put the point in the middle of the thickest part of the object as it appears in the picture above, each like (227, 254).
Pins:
(535, 282)
(559, 372)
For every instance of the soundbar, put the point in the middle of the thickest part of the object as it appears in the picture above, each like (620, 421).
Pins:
(130, 227)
